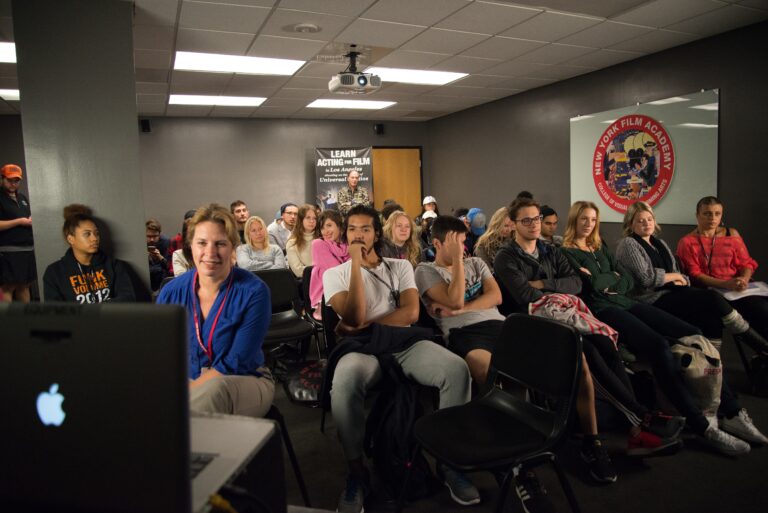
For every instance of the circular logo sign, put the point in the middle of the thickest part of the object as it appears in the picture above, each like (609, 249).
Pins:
(634, 160)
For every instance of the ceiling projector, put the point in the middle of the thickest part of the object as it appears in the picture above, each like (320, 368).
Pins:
(348, 82)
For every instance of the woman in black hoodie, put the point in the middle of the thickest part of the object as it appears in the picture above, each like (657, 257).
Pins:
(85, 274)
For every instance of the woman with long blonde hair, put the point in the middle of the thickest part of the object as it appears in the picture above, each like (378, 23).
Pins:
(499, 232)
(298, 249)
(400, 238)
(257, 254)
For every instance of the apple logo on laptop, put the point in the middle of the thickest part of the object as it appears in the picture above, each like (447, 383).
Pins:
(49, 406)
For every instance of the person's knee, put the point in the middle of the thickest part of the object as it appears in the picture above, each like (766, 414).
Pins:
(478, 362)
(349, 378)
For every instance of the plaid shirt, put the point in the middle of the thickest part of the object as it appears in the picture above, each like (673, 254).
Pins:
(346, 198)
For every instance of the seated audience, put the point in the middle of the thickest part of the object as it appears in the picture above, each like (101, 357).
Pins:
(85, 274)
(240, 211)
(400, 238)
(353, 194)
(549, 226)
(716, 256)
(298, 249)
(178, 240)
(377, 301)
(428, 204)
(228, 316)
(425, 236)
(498, 234)
(280, 229)
(645, 328)
(157, 248)
(257, 254)
(387, 210)
(327, 251)
(182, 258)
(475, 222)
(659, 282)
(17, 258)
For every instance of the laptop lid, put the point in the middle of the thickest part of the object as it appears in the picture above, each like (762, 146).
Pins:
(95, 401)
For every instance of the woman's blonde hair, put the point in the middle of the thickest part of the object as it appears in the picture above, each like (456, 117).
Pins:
(214, 213)
(412, 245)
(247, 236)
(492, 239)
(298, 230)
(593, 241)
(634, 209)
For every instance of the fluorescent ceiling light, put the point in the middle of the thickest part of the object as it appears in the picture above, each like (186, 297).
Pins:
(218, 63)
(415, 76)
(579, 118)
(667, 101)
(706, 106)
(9, 94)
(7, 52)
(349, 104)
(697, 125)
(226, 101)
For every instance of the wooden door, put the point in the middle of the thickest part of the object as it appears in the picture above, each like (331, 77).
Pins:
(397, 175)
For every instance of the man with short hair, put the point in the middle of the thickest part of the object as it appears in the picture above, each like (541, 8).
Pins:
(353, 194)
(377, 301)
(157, 249)
(549, 227)
(240, 210)
(280, 230)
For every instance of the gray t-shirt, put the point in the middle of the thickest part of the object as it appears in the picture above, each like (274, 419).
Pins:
(378, 300)
(428, 274)
(278, 234)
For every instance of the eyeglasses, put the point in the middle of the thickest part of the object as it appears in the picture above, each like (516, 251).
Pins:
(528, 221)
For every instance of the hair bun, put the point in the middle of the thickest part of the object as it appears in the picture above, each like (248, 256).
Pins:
(77, 210)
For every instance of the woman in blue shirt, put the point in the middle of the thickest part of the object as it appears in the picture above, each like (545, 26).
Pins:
(228, 315)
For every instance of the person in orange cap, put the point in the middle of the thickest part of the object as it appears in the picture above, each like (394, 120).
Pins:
(17, 257)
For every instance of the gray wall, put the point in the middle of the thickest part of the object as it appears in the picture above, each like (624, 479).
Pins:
(188, 162)
(522, 142)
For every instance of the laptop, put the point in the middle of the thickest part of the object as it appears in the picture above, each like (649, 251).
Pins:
(96, 412)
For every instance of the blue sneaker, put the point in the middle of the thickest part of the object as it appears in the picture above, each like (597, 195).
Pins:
(353, 497)
(461, 488)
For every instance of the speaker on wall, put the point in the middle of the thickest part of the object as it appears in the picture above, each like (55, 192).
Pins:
(378, 128)
(146, 127)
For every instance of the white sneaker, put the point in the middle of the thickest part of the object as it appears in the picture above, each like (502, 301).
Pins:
(741, 425)
(723, 442)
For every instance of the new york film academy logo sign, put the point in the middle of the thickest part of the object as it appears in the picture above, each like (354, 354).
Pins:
(634, 160)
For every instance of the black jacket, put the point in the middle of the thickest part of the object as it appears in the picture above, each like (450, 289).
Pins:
(104, 280)
(514, 268)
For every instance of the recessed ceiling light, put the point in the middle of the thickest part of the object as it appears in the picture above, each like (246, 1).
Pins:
(415, 76)
(697, 125)
(7, 52)
(9, 94)
(225, 101)
(706, 106)
(667, 101)
(219, 63)
(303, 28)
(349, 104)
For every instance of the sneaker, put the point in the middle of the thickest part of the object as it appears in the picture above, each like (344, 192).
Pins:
(741, 425)
(533, 496)
(599, 463)
(646, 444)
(353, 496)
(754, 340)
(461, 488)
(663, 426)
(723, 442)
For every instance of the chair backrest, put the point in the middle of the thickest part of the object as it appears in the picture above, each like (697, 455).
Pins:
(330, 320)
(282, 286)
(305, 279)
(540, 354)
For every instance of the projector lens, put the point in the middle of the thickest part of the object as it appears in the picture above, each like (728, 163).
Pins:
(362, 81)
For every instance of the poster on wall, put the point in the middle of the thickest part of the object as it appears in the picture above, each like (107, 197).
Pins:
(334, 165)
(662, 152)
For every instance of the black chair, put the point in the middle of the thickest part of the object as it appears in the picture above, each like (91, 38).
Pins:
(286, 325)
(306, 278)
(501, 432)
(274, 414)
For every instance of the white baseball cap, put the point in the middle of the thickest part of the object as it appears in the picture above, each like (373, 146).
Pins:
(428, 199)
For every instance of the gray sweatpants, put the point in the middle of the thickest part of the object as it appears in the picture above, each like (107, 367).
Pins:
(424, 362)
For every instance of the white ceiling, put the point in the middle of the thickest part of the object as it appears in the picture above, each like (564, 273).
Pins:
(506, 47)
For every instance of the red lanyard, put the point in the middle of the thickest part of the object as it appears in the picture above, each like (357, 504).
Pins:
(198, 329)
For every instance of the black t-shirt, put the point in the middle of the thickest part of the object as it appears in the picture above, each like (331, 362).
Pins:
(13, 209)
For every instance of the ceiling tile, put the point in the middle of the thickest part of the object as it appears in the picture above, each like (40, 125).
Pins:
(153, 59)
(409, 88)
(551, 26)
(255, 3)
(156, 12)
(151, 98)
(487, 18)
(9, 82)
(285, 48)
(340, 7)
(8, 69)
(421, 12)
(255, 85)
(480, 80)
(282, 21)
(231, 112)
(380, 33)
(602, 8)
(150, 109)
(294, 103)
(6, 28)
(462, 91)
(147, 37)
(151, 87)
(151, 75)
(654, 41)
(191, 82)
(320, 69)
(264, 111)
(503, 48)
(444, 41)
(222, 17)
(661, 13)
(410, 60)
(605, 34)
(556, 53)
(524, 83)
(188, 110)
(720, 20)
(465, 64)
(604, 58)
(308, 83)
(757, 4)
(514, 68)
(210, 41)
(307, 94)
(560, 72)
(313, 113)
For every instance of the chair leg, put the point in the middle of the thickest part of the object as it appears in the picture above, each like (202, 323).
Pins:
(504, 488)
(404, 490)
(565, 484)
(744, 359)
(274, 414)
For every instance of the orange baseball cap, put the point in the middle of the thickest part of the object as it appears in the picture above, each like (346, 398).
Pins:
(11, 171)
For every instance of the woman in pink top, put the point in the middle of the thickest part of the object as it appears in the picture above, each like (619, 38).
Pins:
(327, 252)
(716, 256)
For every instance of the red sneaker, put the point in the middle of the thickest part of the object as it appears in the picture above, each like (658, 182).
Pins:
(645, 444)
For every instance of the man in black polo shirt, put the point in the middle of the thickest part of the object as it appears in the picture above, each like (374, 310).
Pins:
(17, 258)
